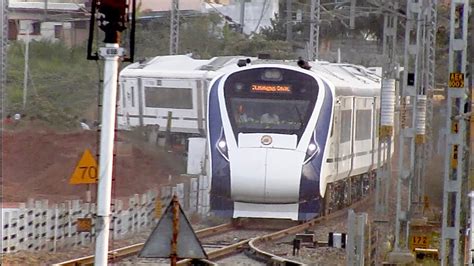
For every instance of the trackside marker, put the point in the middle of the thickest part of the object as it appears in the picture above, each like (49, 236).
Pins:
(173, 237)
(86, 171)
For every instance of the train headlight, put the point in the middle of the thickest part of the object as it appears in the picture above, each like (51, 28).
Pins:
(222, 146)
(313, 149)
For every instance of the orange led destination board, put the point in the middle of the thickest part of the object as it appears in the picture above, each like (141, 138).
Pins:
(270, 88)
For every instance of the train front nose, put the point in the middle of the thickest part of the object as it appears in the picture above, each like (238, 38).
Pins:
(267, 173)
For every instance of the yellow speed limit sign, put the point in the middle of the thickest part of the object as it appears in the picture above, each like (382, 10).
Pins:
(86, 171)
(456, 80)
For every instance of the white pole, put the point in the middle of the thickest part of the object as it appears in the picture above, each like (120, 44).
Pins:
(111, 54)
(25, 74)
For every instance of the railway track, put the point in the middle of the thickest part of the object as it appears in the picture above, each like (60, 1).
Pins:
(250, 245)
(120, 253)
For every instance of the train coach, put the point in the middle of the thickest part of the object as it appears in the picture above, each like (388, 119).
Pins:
(291, 143)
(152, 89)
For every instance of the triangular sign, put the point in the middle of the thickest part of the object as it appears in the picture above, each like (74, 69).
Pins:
(158, 244)
(86, 171)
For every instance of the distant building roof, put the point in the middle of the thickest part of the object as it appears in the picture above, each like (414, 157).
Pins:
(50, 6)
(165, 5)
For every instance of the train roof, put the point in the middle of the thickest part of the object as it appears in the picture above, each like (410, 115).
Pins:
(182, 66)
(348, 79)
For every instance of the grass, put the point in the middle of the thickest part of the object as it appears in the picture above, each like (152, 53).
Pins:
(62, 84)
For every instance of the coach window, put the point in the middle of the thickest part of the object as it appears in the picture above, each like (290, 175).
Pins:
(133, 95)
(176, 98)
(123, 98)
(346, 125)
(363, 124)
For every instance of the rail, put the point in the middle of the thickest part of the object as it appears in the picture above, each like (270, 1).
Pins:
(119, 253)
(276, 260)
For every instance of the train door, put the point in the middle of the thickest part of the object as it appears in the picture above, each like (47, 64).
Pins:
(201, 99)
(344, 154)
(362, 147)
(129, 102)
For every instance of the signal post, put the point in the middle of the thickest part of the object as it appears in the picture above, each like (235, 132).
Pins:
(112, 16)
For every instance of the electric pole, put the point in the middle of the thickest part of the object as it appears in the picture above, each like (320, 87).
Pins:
(26, 67)
(289, 21)
(387, 112)
(242, 16)
(409, 90)
(174, 27)
(456, 147)
(315, 19)
(3, 59)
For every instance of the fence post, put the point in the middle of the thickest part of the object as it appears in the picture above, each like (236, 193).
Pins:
(55, 222)
(6, 233)
(117, 219)
(150, 207)
(180, 193)
(193, 195)
(22, 227)
(204, 194)
(63, 222)
(44, 223)
(142, 211)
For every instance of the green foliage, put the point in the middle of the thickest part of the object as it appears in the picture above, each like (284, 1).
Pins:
(205, 37)
(62, 84)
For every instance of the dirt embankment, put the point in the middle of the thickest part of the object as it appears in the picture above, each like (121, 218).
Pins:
(38, 163)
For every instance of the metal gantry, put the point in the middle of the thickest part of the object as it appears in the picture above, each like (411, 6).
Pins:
(174, 27)
(454, 168)
(423, 119)
(315, 18)
(429, 75)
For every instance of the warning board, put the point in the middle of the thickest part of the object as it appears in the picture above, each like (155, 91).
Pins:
(84, 225)
(86, 171)
(419, 241)
(456, 80)
(455, 127)
(454, 157)
(159, 243)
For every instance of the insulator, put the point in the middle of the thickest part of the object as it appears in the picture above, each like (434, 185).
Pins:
(420, 121)
(387, 108)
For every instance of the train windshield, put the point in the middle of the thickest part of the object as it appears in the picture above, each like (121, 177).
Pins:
(270, 100)
(253, 115)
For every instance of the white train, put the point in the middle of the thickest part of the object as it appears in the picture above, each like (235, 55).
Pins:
(286, 142)
(151, 89)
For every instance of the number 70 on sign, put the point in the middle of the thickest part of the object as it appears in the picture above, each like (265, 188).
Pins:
(86, 171)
